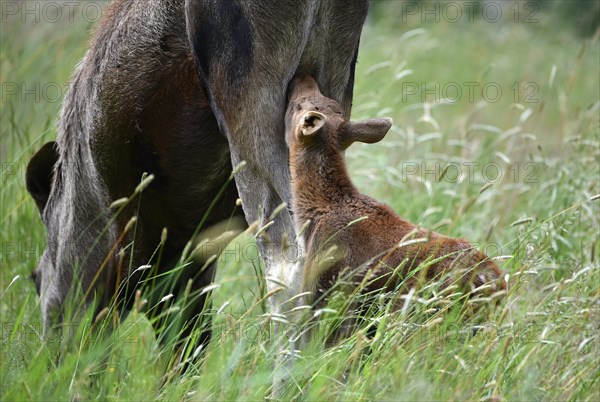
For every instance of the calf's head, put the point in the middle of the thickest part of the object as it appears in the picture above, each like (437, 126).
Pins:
(313, 120)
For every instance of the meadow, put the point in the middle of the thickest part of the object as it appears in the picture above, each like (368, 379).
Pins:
(495, 139)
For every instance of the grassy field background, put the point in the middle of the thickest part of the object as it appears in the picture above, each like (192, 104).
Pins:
(495, 139)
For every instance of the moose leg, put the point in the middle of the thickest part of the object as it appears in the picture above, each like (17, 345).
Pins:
(263, 187)
(247, 53)
(187, 327)
(186, 313)
(253, 121)
(245, 73)
(194, 318)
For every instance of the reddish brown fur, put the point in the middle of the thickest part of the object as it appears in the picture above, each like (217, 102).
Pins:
(325, 201)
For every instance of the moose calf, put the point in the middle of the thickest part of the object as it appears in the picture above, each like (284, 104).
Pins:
(381, 249)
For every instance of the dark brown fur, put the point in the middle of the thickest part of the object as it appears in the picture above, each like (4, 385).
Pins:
(325, 203)
(136, 106)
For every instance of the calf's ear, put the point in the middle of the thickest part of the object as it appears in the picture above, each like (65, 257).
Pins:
(311, 123)
(367, 131)
(40, 170)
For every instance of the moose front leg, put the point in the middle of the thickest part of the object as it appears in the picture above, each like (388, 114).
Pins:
(246, 53)
(255, 135)
(253, 121)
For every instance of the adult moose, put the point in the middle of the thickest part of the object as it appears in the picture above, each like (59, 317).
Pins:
(182, 90)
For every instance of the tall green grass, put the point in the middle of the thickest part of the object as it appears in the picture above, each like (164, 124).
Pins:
(536, 216)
